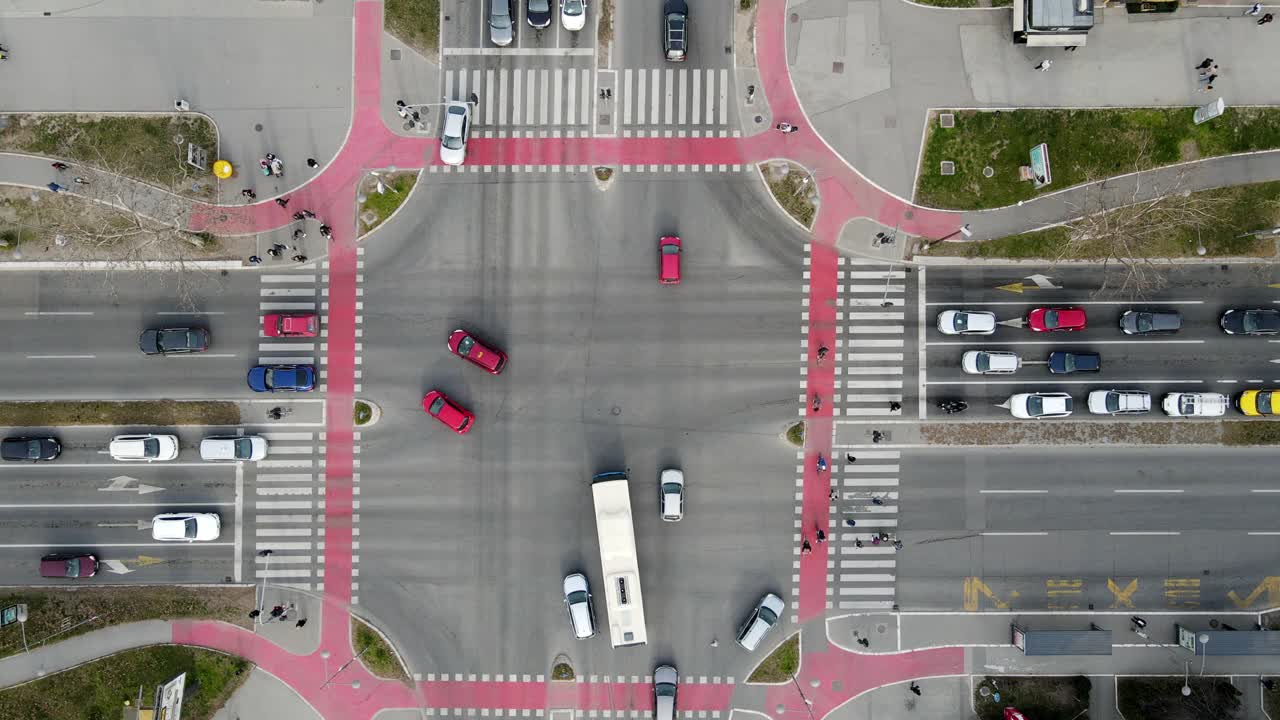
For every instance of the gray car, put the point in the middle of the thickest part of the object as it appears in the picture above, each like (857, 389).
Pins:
(665, 680)
(1150, 322)
(502, 28)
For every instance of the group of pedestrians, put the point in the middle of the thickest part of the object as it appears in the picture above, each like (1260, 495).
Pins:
(1208, 70)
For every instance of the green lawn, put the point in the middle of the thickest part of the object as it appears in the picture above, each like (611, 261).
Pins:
(52, 413)
(98, 691)
(1083, 145)
(415, 23)
(1246, 208)
(385, 204)
(781, 664)
(1160, 698)
(1039, 698)
(792, 191)
(377, 654)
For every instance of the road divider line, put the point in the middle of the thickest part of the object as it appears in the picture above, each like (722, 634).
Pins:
(41, 313)
(184, 545)
(1037, 303)
(1064, 341)
(1149, 532)
(1264, 532)
(61, 357)
(1013, 492)
(238, 567)
(157, 503)
(1152, 491)
(1056, 381)
(1013, 534)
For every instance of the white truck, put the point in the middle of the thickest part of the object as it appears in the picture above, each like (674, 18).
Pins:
(1203, 404)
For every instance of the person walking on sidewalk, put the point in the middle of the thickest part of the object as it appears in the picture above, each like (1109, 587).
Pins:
(914, 688)
(1257, 8)
(1266, 19)
(1044, 65)
(1205, 64)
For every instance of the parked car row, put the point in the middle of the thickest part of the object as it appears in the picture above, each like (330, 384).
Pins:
(1003, 362)
(1237, 321)
(502, 27)
(261, 378)
(1037, 405)
(146, 447)
(165, 527)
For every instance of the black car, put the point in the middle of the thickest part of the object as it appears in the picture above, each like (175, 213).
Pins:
(173, 341)
(675, 30)
(30, 449)
(1063, 363)
(1150, 322)
(538, 13)
(1251, 322)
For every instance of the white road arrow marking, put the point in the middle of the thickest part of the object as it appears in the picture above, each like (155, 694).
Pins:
(117, 567)
(124, 482)
(1043, 282)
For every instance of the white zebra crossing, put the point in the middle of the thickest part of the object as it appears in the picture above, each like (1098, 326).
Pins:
(291, 529)
(870, 339)
(867, 495)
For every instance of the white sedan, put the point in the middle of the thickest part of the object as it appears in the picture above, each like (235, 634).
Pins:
(1119, 402)
(573, 14)
(453, 139)
(1040, 405)
(966, 322)
(186, 527)
(143, 448)
(989, 362)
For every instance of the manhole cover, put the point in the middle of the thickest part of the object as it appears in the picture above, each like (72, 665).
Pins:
(604, 120)
(948, 167)
(988, 171)
(395, 54)
(947, 120)
(257, 127)
(794, 17)
(758, 119)
(837, 67)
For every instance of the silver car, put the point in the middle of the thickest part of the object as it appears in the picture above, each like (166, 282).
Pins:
(765, 616)
(671, 495)
(665, 680)
(501, 26)
(577, 601)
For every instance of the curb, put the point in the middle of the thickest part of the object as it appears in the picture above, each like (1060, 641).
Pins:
(945, 260)
(409, 681)
(114, 265)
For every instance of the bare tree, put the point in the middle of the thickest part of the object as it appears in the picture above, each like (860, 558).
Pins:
(1128, 223)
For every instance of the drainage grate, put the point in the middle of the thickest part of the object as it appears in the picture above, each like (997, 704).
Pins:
(947, 120)
(837, 67)
(395, 54)
(948, 167)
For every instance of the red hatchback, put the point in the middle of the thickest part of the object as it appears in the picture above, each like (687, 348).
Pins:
(1067, 319)
(669, 259)
(68, 566)
(439, 406)
(302, 325)
(466, 346)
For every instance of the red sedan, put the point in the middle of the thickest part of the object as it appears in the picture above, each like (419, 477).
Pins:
(466, 346)
(439, 406)
(1066, 319)
(669, 257)
(303, 325)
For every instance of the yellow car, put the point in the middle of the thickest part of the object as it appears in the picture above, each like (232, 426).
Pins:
(1259, 402)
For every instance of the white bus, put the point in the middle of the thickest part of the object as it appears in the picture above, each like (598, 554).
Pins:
(618, 562)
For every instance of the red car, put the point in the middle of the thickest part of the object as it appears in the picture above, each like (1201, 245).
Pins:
(68, 566)
(466, 346)
(439, 406)
(303, 325)
(1066, 319)
(669, 258)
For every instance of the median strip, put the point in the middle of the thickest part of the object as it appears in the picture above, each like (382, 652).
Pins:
(1237, 433)
(62, 413)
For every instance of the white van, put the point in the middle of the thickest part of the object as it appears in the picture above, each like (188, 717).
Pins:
(233, 447)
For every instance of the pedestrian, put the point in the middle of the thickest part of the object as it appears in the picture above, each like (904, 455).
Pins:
(1268, 683)
(401, 110)
(299, 234)
(277, 611)
(326, 232)
(1044, 65)
(1207, 62)
(834, 494)
(400, 105)
(254, 613)
(850, 522)
(894, 406)
(877, 501)
(876, 436)
(850, 457)
(875, 539)
(897, 544)
(265, 166)
(299, 217)
(1208, 71)
(249, 194)
(55, 187)
(1207, 88)
(80, 181)
(715, 643)
(273, 252)
(1257, 8)
(857, 542)
(884, 536)
(311, 163)
(59, 166)
(416, 117)
(282, 202)
(1266, 19)
(299, 258)
(864, 642)
(822, 537)
(914, 688)
(1208, 80)
(805, 547)
(254, 260)
(308, 213)
(300, 623)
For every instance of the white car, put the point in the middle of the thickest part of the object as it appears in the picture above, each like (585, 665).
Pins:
(1040, 405)
(671, 495)
(989, 362)
(573, 14)
(1205, 404)
(144, 448)
(233, 447)
(186, 527)
(453, 139)
(766, 614)
(966, 322)
(577, 601)
(665, 680)
(1119, 402)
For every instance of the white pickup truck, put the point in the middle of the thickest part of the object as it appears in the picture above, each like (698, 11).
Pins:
(1204, 404)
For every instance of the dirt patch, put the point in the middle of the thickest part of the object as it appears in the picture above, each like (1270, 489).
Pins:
(142, 412)
(1188, 150)
(1161, 698)
(793, 187)
(1050, 432)
(744, 35)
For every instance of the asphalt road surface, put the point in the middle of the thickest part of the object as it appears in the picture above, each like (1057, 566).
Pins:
(1064, 528)
(466, 539)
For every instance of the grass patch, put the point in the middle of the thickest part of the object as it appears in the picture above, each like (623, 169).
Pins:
(604, 173)
(1247, 209)
(362, 413)
(950, 3)
(1271, 698)
(1256, 432)
(791, 191)
(415, 23)
(562, 671)
(141, 148)
(98, 690)
(58, 614)
(1042, 698)
(383, 205)
(1149, 698)
(604, 26)
(55, 413)
(376, 653)
(1083, 144)
(795, 434)
(746, 4)
(781, 664)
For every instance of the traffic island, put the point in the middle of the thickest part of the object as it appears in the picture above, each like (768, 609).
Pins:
(375, 651)
(1039, 698)
(781, 665)
(1237, 433)
(561, 669)
(1177, 698)
(366, 413)
(793, 188)
(56, 614)
(604, 177)
(381, 195)
(104, 688)
(795, 434)
(62, 413)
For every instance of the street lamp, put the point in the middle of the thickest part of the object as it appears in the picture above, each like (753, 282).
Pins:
(1204, 650)
(1186, 687)
(324, 655)
(263, 600)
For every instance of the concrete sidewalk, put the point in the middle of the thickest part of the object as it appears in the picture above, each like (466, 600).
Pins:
(66, 654)
(264, 696)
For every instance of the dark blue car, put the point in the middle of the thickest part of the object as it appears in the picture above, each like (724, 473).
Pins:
(282, 378)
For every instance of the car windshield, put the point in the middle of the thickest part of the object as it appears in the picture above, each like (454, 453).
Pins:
(577, 597)
(962, 322)
(671, 489)
(664, 689)
(169, 339)
(465, 345)
(244, 448)
(1035, 405)
(984, 362)
(572, 7)
(1264, 402)
(1113, 402)
(1187, 404)
(189, 528)
(463, 425)
(1260, 322)
(539, 6)
(437, 405)
(73, 567)
(1051, 318)
(151, 447)
(498, 16)
(768, 616)
(1145, 322)
(670, 249)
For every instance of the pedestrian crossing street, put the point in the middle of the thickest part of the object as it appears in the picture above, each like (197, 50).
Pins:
(568, 97)
(863, 565)
(870, 355)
